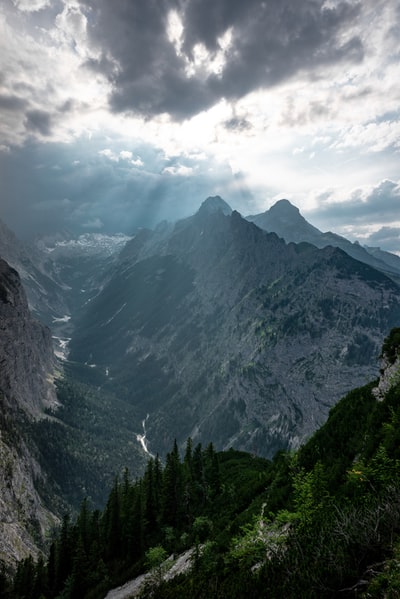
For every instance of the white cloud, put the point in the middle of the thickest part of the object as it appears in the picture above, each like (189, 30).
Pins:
(125, 156)
(179, 170)
(71, 28)
(109, 154)
(373, 137)
(31, 5)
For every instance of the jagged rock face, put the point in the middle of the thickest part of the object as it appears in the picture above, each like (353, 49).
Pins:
(26, 388)
(220, 331)
(390, 365)
(24, 520)
(26, 355)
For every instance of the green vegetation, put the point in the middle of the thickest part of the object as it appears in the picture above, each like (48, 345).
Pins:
(322, 522)
(83, 443)
(171, 508)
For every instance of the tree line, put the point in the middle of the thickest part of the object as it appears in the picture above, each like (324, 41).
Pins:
(320, 522)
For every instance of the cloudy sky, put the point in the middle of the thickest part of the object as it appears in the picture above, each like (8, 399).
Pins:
(119, 113)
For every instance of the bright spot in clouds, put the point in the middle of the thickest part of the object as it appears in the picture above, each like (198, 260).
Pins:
(253, 100)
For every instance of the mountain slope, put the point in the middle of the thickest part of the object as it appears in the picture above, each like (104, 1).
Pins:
(222, 332)
(285, 220)
(26, 389)
(319, 523)
(45, 291)
(59, 442)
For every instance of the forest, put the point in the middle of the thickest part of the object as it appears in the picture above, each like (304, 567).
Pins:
(323, 521)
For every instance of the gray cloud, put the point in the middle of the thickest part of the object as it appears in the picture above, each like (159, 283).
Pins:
(377, 205)
(237, 124)
(386, 237)
(13, 103)
(38, 121)
(272, 40)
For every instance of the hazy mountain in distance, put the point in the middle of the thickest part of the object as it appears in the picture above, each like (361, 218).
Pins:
(285, 220)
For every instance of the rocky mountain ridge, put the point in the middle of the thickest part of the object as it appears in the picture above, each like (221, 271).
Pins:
(221, 331)
(209, 327)
(285, 220)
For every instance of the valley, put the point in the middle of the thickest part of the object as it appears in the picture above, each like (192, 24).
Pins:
(210, 328)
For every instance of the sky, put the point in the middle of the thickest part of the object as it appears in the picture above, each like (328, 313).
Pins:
(122, 113)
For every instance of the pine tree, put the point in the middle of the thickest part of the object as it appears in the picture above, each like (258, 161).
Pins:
(23, 579)
(151, 497)
(212, 474)
(172, 489)
(83, 525)
(40, 583)
(63, 554)
(112, 523)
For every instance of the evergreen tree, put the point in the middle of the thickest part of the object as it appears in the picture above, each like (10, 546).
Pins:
(151, 497)
(172, 489)
(134, 527)
(23, 580)
(40, 583)
(211, 472)
(112, 523)
(64, 554)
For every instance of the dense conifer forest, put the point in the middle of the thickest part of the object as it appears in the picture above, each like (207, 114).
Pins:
(320, 522)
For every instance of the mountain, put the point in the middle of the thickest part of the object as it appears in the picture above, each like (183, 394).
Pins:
(80, 263)
(59, 441)
(44, 290)
(318, 523)
(215, 204)
(26, 390)
(215, 329)
(285, 220)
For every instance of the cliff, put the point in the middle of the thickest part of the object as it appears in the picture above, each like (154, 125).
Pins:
(26, 388)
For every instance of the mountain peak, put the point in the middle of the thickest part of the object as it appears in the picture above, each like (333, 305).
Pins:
(285, 220)
(215, 204)
(284, 208)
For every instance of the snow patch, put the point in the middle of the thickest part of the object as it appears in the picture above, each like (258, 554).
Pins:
(65, 318)
(61, 349)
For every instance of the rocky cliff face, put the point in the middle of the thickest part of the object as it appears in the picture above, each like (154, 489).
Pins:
(26, 354)
(223, 332)
(26, 388)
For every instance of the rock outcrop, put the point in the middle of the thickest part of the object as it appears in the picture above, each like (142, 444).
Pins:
(26, 389)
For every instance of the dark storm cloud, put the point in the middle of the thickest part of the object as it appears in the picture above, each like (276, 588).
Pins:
(380, 204)
(272, 40)
(13, 103)
(386, 237)
(38, 121)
